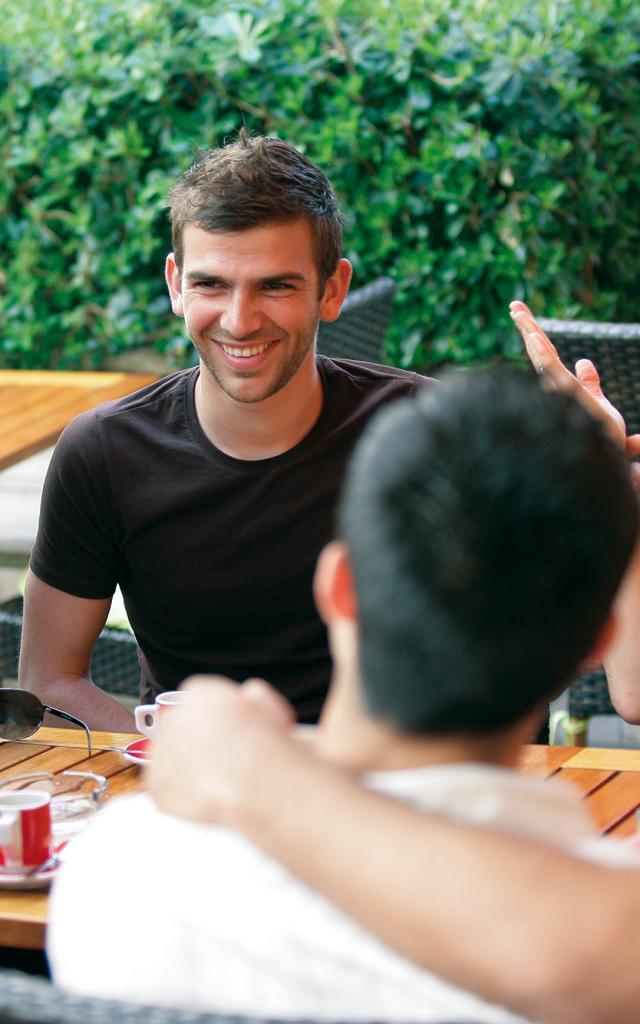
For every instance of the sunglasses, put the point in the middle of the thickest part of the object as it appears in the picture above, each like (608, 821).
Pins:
(22, 714)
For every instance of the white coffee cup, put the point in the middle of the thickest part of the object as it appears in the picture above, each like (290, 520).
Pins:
(147, 714)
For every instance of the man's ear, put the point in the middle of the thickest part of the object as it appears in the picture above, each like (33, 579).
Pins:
(602, 643)
(335, 291)
(333, 585)
(173, 277)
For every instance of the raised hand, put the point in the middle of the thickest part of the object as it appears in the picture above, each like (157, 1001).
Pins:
(584, 384)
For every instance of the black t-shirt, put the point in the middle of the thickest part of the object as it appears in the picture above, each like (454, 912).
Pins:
(214, 555)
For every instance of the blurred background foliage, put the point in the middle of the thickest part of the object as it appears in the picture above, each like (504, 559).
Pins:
(481, 149)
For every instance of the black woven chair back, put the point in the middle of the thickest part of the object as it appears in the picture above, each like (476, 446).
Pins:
(359, 331)
(29, 1000)
(615, 351)
(10, 631)
(589, 695)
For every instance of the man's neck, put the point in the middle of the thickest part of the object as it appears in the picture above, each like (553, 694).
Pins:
(260, 430)
(371, 746)
(350, 738)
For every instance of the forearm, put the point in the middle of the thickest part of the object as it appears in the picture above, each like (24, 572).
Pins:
(58, 637)
(622, 664)
(81, 698)
(77, 695)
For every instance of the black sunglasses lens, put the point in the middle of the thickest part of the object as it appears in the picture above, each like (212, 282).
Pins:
(21, 714)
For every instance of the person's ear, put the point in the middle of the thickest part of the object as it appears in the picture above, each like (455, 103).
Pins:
(335, 291)
(333, 584)
(602, 643)
(173, 277)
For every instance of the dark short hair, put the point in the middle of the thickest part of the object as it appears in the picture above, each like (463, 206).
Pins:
(255, 181)
(489, 524)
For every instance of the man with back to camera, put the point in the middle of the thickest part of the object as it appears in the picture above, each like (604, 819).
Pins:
(208, 495)
(560, 934)
(443, 660)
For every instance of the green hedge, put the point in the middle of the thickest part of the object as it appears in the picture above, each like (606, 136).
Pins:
(483, 149)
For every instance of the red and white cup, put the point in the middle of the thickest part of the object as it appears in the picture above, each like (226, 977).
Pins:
(147, 714)
(25, 829)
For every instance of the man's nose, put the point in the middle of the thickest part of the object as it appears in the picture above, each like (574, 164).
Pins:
(241, 316)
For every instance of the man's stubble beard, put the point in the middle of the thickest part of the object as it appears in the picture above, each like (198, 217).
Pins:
(287, 371)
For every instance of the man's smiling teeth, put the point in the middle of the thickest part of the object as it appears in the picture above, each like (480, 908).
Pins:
(246, 350)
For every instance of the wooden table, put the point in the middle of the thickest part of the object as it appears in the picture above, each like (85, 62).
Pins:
(35, 405)
(23, 915)
(609, 779)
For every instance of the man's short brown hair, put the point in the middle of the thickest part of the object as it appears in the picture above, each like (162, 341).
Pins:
(256, 181)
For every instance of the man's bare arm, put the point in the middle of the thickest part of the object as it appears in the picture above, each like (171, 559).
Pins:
(622, 663)
(554, 938)
(58, 636)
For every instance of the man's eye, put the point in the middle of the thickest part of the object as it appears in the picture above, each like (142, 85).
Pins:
(278, 286)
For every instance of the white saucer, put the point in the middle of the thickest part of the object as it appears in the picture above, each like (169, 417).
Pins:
(138, 752)
(38, 881)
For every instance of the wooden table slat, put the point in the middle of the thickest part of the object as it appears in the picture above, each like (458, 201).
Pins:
(125, 782)
(23, 919)
(42, 425)
(15, 403)
(605, 757)
(625, 828)
(14, 753)
(73, 737)
(587, 780)
(541, 761)
(610, 804)
(80, 379)
(55, 759)
(35, 405)
(104, 762)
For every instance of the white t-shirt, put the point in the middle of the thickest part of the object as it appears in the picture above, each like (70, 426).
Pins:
(155, 909)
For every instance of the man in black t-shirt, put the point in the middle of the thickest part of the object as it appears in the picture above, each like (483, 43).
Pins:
(208, 495)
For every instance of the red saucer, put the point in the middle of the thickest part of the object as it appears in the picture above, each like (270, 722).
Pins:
(138, 752)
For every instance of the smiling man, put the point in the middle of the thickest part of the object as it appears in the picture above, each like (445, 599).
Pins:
(208, 495)
(252, 301)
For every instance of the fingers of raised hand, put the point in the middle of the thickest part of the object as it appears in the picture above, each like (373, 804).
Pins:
(519, 307)
(591, 395)
(544, 355)
(589, 377)
(547, 362)
(540, 349)
(585, 385)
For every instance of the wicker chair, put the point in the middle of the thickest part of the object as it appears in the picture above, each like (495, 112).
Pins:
(359, 331)
(30, 1000)
(114, 666)
(615, 351)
